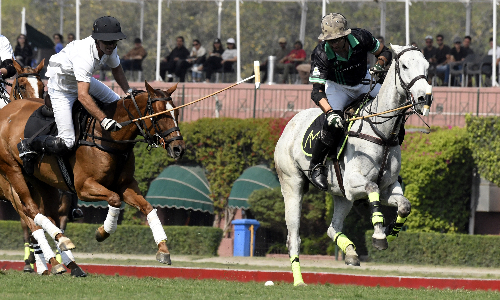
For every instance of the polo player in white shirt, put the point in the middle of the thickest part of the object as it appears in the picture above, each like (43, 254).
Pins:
(70, 73)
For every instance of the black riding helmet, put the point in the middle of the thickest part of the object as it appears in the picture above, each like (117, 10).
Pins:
(107, 29)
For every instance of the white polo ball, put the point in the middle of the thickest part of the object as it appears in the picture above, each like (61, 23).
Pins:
(269, 283)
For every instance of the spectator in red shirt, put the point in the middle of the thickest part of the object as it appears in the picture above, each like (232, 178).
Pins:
(292, 60)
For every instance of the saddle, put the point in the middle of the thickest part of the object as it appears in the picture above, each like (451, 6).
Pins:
(42, 122)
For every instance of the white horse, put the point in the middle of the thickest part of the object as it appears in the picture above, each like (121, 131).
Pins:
(370, 163)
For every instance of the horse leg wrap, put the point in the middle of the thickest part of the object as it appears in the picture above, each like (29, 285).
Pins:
(111, 221)
(297, 275)
(377, 216)
(342, 241)
(39, 235)
(26, 252)
(47, 225)
(41, 266)
(395, 227)
(156, 227)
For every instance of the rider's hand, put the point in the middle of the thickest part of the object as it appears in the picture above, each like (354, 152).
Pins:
(334, 120)
(110, 125)
(375, 70)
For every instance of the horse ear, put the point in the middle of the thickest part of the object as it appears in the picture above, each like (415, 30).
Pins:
(18, 67)
(150, 90)
(40, 66)
(172, 89)
(396, 48)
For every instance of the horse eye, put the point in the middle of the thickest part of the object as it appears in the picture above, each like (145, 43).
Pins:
(405, 67)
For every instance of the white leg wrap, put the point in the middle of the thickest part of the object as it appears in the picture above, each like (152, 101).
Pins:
(40, 264)
(66, 256)
(47, 225)
(156, 227)
(111, 219)
(39, 235)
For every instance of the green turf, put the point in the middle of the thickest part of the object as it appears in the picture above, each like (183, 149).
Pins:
(18, 285)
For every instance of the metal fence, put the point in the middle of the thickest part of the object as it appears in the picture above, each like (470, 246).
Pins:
(449, 108)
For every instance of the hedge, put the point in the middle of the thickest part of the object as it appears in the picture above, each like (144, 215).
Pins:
(128, 239)
(438, 249)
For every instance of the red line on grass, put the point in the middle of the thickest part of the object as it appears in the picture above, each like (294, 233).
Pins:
(262, 276)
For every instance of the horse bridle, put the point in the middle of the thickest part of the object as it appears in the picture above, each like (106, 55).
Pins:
(158, 138)
(405, 86)
(17, 88)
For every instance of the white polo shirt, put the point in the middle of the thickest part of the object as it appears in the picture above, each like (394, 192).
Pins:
(77, 62)
(5, 49)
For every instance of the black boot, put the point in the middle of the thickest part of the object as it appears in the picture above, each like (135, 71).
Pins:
(46, 144)
(318, 173)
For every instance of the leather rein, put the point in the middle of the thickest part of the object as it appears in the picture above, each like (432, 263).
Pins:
(153, 140)
(17, 87)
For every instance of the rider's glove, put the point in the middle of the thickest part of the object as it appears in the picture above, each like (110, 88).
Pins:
(334, 120)
(375, 71)
(110, 125)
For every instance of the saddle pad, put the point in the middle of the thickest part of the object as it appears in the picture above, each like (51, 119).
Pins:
(39, 119)
(312, 134)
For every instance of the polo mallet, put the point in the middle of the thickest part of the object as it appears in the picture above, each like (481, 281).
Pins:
(257, 81)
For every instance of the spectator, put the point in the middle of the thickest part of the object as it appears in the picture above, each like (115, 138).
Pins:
(304, 69)
(173, 63)
(466, 45)
(58, 40)
(196, 59)
(442, 59)
(133, 59)
(225, 61)
(292, 60)
(70, 38)
(457, 53)
(430, 54)
(23, 52)
(490, 52)
(213, 61)
(279, 53)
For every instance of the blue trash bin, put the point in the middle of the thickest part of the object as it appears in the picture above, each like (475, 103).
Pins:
(242, 236)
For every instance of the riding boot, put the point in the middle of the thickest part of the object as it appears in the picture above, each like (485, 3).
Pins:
(46, 144)
(318, 172)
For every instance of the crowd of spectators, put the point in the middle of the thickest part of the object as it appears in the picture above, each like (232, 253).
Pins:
(445, 60)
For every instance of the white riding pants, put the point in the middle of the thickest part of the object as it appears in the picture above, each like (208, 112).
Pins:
(340, 96)
(62, 104)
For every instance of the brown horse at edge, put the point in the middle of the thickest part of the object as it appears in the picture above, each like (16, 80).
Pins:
(98, 175)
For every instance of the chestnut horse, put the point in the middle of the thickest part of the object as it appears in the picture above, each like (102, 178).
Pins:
(27, 83)
(103, 164)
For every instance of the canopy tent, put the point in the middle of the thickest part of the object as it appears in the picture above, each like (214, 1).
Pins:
(181, 187)
(37, 38)
(254, 178)
(97, 204)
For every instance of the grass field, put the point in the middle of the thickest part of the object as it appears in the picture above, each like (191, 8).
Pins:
(18, 285)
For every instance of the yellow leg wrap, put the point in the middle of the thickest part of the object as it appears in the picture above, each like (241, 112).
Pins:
(374, 196)
(32, 252)
(58, 257)
(297, 275)
(26, 251)
(343, 241)
(377, 217)
(395, 230)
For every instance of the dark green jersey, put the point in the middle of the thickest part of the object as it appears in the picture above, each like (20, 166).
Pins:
(327, 65)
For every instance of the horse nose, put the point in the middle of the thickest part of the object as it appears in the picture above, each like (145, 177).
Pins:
(178, 151)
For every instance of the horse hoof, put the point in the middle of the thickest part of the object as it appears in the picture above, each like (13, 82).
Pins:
(300, 284)
(380, 244)
(101, 234)
(352, 260)
(77, 272)
(65, 244)
(58, 269)
(164, 258)
(28, 269)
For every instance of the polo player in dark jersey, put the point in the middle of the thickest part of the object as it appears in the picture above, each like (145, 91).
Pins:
(338, 66)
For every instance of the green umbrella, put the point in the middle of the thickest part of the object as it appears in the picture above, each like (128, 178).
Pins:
(181, 187)
(253, 178)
